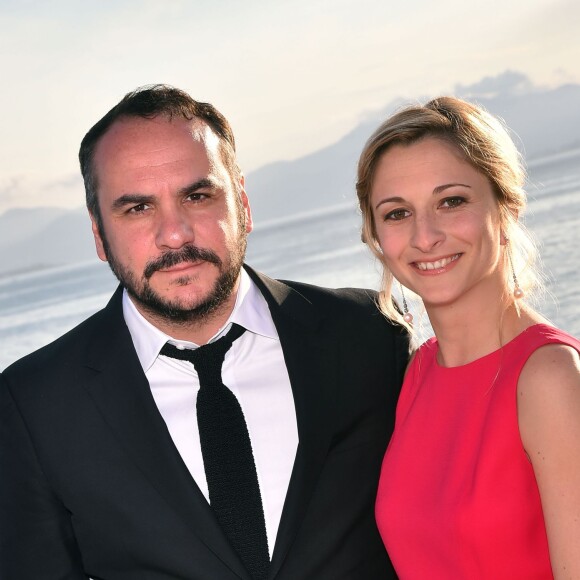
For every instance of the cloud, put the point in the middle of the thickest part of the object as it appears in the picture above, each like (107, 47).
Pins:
(22, 191)
(11, 192)
(504, 84)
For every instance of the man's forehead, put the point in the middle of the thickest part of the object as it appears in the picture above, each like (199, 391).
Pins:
(160, 125)
(137, 135)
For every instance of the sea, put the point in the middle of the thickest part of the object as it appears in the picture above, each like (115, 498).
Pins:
(321, 247)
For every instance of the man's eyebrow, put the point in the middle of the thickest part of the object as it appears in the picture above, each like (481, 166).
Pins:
(131, 199)
(140, 198)
(205, 183)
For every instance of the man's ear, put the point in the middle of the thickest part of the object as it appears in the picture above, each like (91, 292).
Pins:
(100, 247)
(246, 205)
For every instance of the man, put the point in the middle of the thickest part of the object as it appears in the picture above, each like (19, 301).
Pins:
(106, 471)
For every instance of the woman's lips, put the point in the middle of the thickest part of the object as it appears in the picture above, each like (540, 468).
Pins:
(436, 266)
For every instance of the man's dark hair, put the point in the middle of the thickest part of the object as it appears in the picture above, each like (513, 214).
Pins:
(149, 102)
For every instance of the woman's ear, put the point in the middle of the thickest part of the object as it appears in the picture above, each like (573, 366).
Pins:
(507, 218)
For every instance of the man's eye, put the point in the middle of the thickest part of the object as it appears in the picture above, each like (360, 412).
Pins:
(140, 208)
(196, 196)
(397, 214)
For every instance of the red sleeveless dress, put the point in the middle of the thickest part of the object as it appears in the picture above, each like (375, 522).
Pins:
(457, 496)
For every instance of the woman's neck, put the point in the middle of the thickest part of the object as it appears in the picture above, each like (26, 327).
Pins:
(466, 332)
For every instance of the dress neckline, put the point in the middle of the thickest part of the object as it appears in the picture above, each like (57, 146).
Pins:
(494, 353)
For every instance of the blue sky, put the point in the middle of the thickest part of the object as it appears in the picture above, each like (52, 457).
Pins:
(291, 75)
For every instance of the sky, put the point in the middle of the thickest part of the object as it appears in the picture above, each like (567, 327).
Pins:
(291, 75)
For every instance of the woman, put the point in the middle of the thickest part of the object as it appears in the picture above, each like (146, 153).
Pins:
(482, 476)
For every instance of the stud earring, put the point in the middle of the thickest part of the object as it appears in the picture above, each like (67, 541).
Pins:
(518, 292)
(407, 316)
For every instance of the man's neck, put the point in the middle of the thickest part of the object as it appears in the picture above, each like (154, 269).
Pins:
(199, 331)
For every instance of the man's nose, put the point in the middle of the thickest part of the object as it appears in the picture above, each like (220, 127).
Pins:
(174, 228)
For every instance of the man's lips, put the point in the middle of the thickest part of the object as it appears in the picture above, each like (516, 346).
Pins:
(181, 266)
(176, 261)
(436, 265)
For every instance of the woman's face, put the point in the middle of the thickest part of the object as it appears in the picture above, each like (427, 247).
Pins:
(437, 222)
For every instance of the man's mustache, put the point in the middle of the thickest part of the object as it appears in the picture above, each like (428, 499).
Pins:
(185, 254)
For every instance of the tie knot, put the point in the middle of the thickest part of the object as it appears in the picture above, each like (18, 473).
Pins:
(207, 359)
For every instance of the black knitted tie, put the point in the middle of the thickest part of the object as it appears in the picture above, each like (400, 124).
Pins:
(234, 492)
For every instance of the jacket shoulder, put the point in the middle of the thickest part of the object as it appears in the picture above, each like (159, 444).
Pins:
(354, 310)
(343, 301)
(68, 347)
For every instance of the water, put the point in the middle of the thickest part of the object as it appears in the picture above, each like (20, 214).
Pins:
(321, 247)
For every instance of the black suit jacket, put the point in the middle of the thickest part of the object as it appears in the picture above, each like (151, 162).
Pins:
(91, 483)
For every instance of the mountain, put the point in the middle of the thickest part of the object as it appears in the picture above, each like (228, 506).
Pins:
(320, 179)
(18, 224)
(542, 120)
(44, 237)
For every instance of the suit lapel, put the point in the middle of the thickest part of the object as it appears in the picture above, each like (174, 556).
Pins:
(311, 364)
(121, 391)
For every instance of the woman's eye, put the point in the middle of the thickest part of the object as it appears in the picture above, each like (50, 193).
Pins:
(453, 202)
(397, 214)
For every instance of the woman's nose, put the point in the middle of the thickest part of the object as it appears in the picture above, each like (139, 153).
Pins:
(427, 233)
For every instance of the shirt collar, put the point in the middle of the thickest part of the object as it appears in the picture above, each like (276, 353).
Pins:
(250, 311)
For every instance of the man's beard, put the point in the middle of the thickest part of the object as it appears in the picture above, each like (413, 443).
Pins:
(175, 311)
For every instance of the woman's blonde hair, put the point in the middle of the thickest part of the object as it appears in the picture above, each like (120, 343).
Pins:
(484, 142)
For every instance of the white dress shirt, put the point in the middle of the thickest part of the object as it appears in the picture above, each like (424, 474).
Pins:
(254, 370)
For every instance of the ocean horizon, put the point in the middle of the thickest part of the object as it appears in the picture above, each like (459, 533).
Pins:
(320, 247)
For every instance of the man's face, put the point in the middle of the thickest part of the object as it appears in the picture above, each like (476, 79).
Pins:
(174, 225)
